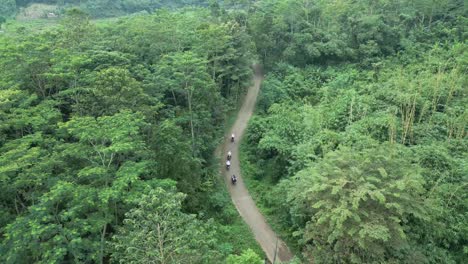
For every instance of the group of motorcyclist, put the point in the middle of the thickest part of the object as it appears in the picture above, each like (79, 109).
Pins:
(228, 162)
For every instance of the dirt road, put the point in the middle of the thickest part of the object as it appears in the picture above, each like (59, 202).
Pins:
(264, 235)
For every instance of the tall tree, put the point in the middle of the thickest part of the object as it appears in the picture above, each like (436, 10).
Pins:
(355, 205)
(157, 231)
(185, 74)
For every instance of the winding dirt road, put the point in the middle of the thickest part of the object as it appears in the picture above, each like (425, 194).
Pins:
(264, 235)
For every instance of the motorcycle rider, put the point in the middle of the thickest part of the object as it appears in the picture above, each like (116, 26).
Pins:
(233, 179)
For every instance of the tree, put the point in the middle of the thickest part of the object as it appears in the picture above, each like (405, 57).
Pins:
(113, 90)
(354, 206)
(77, 29)
(7, 8)
(66, 219)
(170, 144)
(106, 145)
(324, 104)
(157, 231)
(103, 140)
(184, 73)
(92, 118)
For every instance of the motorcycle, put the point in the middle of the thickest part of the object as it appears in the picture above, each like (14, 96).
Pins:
(233, 179)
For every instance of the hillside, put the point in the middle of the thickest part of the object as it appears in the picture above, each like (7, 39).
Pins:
(114, 116)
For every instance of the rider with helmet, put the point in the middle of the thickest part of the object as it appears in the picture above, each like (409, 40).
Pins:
(233, 179)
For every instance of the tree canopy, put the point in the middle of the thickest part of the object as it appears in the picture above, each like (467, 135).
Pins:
(360, 129)
(108, 127)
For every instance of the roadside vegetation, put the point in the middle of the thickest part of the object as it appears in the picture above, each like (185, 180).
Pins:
(108, 129)
(358, 149)
(110, 113)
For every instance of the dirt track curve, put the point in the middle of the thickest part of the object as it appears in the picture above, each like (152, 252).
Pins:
(264, 235)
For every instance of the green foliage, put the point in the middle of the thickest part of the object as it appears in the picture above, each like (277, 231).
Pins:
(104, 139)
(358, 108)
(349, 80)
(106, 8)
(157, 231)
(362, 120)
(77, 27)
(247, 257)
(95, 117)
(7, 9)
(355, 204)
(304, 32)
(2, 21)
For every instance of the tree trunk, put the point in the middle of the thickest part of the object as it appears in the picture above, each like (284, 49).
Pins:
(103, 236)
(173, 96)
(189, 99)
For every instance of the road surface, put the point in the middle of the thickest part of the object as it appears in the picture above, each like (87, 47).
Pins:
(264, 235)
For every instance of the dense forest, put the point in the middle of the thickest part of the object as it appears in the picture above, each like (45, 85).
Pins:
(112, 8)
(108, 129)
(359, 146)
(357, 151)
(101, 8)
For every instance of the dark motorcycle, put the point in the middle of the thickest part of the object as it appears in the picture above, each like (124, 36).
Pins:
(233, 179)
